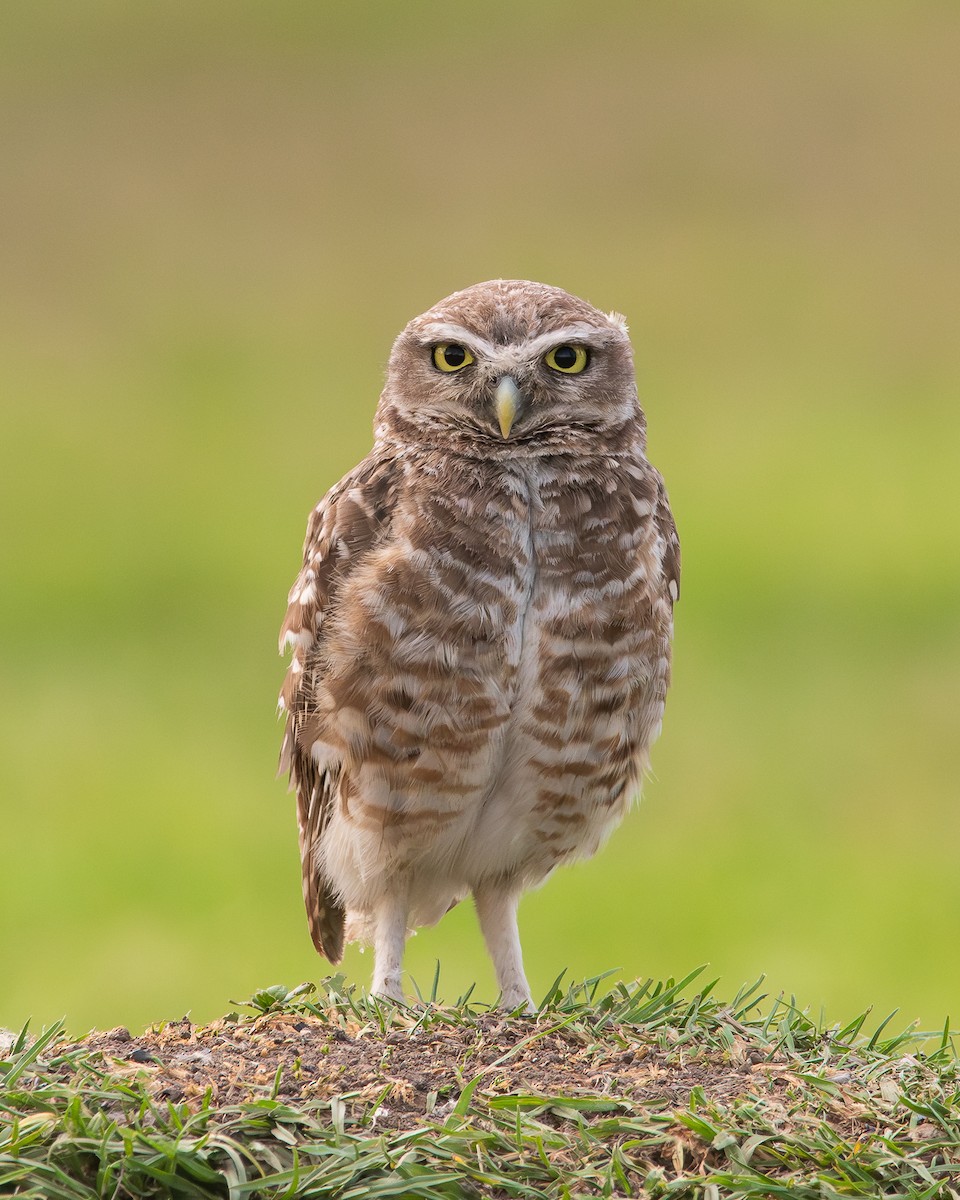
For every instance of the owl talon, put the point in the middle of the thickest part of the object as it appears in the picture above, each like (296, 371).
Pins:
(517, 1003)
(389, 990)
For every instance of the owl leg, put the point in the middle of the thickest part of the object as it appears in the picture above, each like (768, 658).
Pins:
(389, 940)
(497, 913)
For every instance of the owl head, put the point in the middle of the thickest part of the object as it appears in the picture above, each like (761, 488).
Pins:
(512, 369)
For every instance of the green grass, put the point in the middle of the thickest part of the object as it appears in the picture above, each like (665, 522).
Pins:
(782, 1106)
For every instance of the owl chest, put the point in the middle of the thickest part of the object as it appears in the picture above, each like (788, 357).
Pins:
(553, 559)
(484, 612)
(506, 576)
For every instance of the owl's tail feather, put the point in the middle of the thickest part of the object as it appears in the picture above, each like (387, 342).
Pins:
(326, 916)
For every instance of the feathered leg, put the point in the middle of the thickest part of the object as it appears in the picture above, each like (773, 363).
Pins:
(497, 911)
(389, 940)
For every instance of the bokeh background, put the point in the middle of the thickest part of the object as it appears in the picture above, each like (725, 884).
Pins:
(217, 216)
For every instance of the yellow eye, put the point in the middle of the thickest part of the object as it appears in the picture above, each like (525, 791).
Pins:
(568, 360)
(451, 356)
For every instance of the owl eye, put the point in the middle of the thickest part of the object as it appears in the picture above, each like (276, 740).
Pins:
(568, 360)
(451, 356)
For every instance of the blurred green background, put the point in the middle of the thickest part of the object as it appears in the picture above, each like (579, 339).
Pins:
(217, 216)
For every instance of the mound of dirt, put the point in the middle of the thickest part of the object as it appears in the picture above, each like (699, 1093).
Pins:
(418, 1073)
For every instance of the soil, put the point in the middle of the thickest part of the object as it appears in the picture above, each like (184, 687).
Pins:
(417, 1074)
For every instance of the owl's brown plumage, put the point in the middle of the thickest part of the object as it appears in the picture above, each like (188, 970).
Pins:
(481, 628)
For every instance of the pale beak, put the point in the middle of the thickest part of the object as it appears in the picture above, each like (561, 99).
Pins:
(506, 397)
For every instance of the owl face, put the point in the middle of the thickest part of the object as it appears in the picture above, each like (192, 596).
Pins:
(511, 367)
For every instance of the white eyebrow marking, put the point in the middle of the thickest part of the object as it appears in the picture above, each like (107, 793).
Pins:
(578, 332)
(446, 331)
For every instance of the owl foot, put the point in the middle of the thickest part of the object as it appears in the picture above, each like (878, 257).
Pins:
(516, 999)
(388, 989)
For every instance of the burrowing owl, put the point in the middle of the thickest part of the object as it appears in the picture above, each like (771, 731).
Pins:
(481, 628)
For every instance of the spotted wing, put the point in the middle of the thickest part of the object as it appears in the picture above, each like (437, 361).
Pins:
(667, 529)
(347, 523)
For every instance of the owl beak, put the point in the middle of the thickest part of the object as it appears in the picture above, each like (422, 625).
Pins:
(506, 398)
